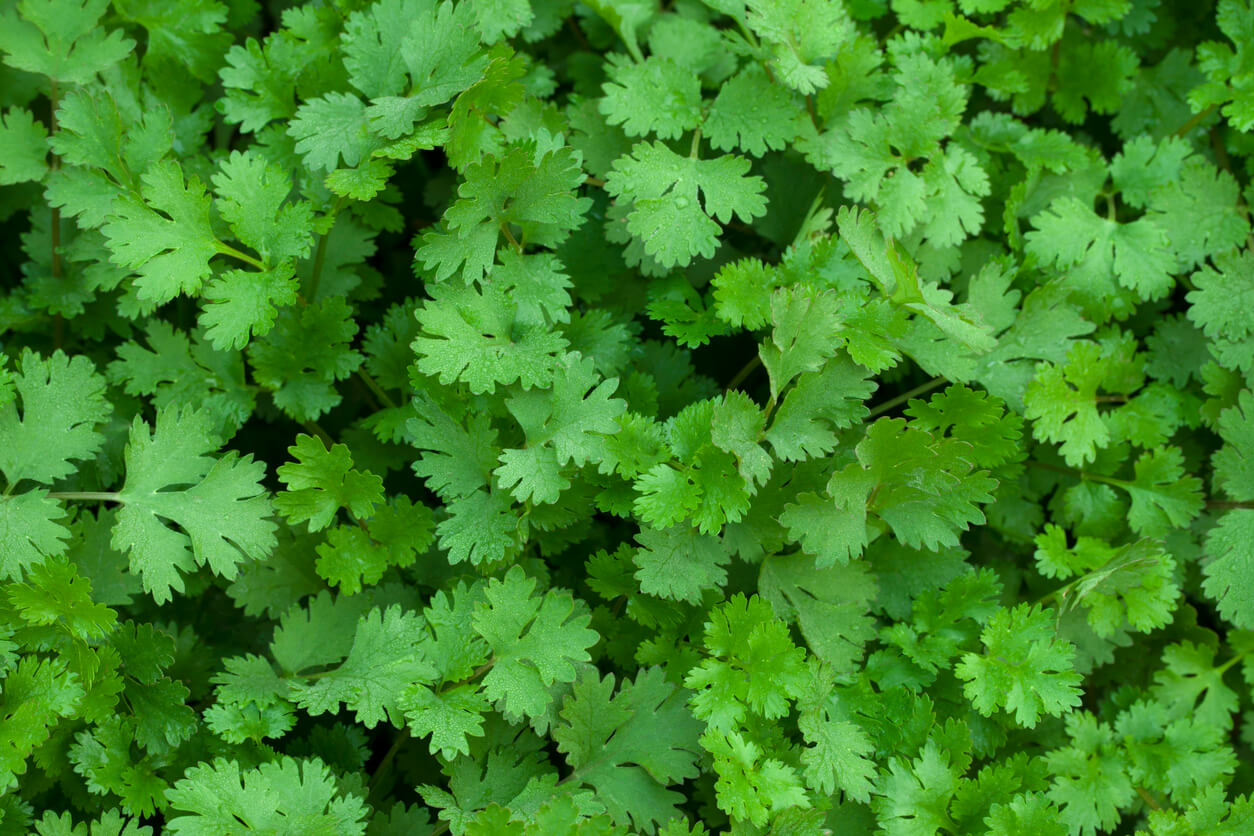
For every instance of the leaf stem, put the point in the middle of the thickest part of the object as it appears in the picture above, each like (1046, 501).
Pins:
(1082, 475)
(54, 230)
(373, 785)
(227, 249)
(747, 369)
(1194, 121)
(315, 430)
(373, 386)
(921, 389)
(509, 236)
(1224, 504)
(320, 255)
(696, 144)
(87, 496)
(1149, 800)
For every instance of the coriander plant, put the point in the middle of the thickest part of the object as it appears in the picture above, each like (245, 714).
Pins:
(543, 417)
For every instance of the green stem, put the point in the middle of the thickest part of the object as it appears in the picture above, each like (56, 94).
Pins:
(745, 370)
(1197, 119)
(320, 255)
(58, 321)
(373, 785)
(1082, 475)
(315, 430)
(227, 249)
(921, 389)
(509, 236)
(696, 144)
(87, 496)
(373, 386)
(1222, 669)
(1222, 504)
(1149, 800)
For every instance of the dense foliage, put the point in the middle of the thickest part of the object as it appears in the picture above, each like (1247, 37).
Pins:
(544, 417)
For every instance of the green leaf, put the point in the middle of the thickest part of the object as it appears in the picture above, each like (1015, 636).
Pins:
(385, 658)
(536, 639)
(837, 757)
(1090, 782)
(526, 186)
(1220, 292)
(630, 746)
(220, 798)
(240, 304)
(61, 39)
(1062, 404)
(1073, 237)
(330, 128)
(253, 199)
(662, 191)
(913, 797)
(1231, 569)
(322, 481)
(23, 147)
(61, 401)
(749, 785)
(306, 353)
(166, 238)
(1163, 497)
(679, 563)
(54, 593)
(806, 334)
(475, 335)
(751, 114)
(425, 50)
(656, 96)
(822, 402)
(1024, 669)
(222, 519)
(752, 665)
(175, 371)
(37, 693)
(829, 604)
(572, 418)
(924, 487)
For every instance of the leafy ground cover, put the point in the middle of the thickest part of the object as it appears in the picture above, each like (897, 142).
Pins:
(543, 417)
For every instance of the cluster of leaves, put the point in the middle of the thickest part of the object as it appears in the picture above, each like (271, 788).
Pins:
(536, 417)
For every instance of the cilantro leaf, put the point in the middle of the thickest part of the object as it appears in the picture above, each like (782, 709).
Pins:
(54, 419)
(23, 146)
(385, 658)
(322, 481)
(752, 114)
(535, 640)
(656, 96)
(220, 798)
(61, 39)
(222, 517)
(475, 335)
(1024, 668)
(420, 49)
(661, 188)
(332, 127)
(30, 530)
(752, 665)
(1232, 559)
(679, 562)
(167, 238)
(611, 740)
